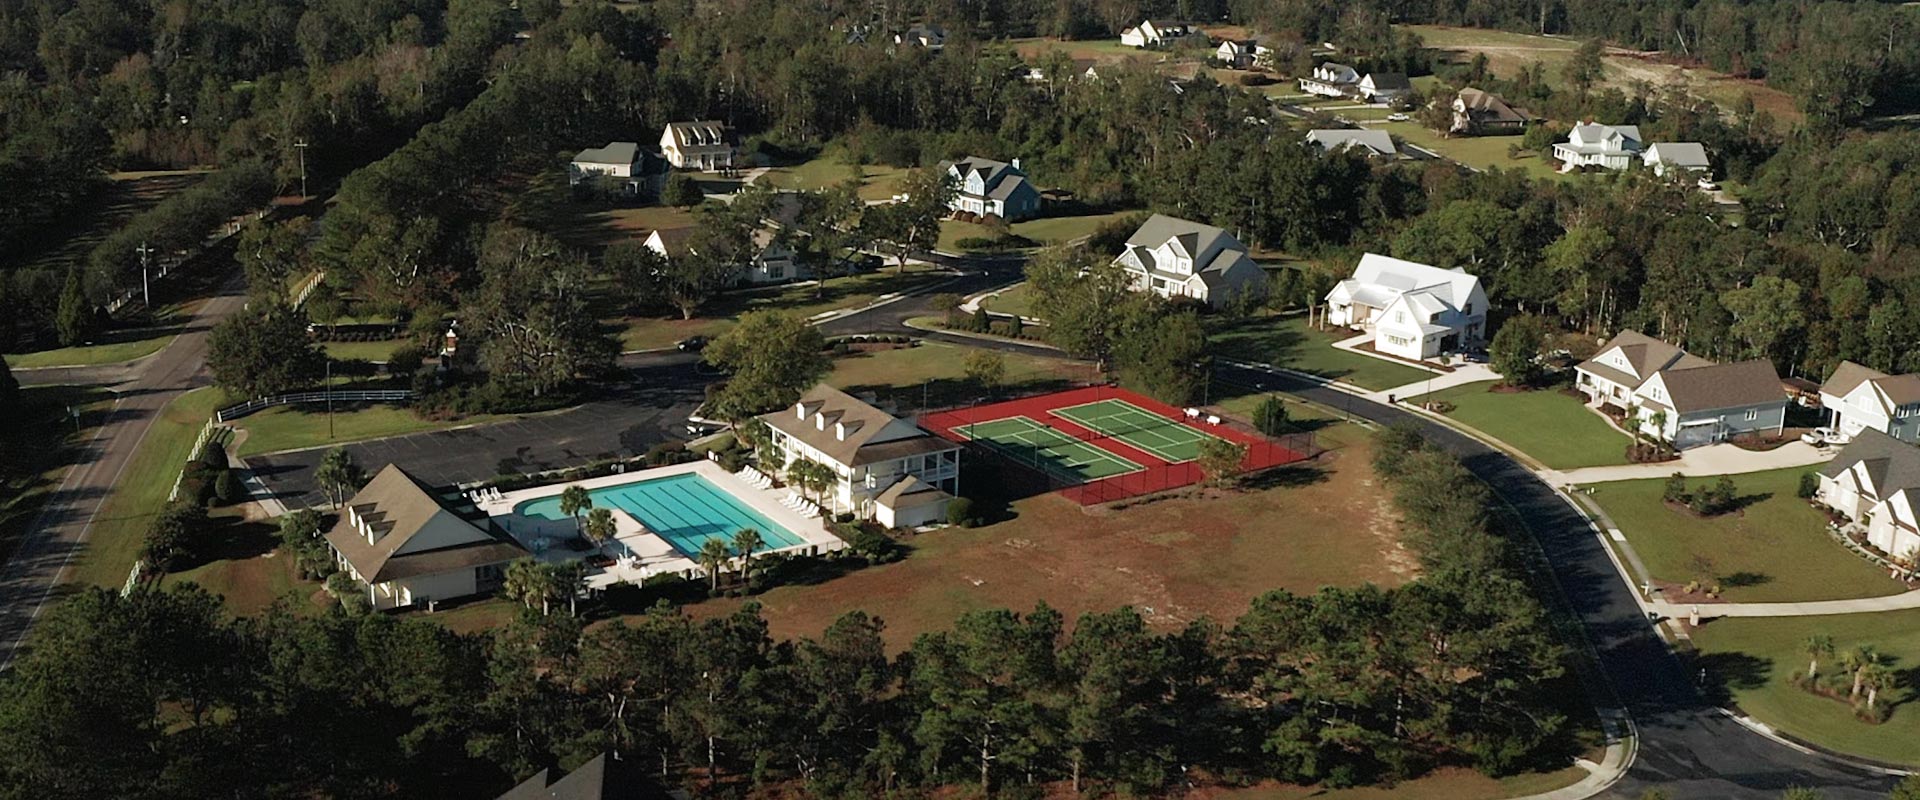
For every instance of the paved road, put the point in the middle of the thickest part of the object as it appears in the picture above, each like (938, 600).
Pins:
(1688, 748)
(29, 581)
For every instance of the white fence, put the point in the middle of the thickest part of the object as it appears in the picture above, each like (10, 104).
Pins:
(231, 413)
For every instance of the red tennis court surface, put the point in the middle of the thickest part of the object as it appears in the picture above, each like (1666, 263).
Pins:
(1157, 474)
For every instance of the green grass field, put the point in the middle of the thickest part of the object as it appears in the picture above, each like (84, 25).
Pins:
(1017, 300)
(137, 344)
(1045, 230)
(877, 182)
(1755, 659)
(44, 454)
(1025, 441)
(1483, 152)
(934, 375)
(1287, 341)
(1775, 549)
(1172, 441)
(365, 351)
(805, 299)
(593, 227)
(299, 426)
(1551, 427)
(121, 525)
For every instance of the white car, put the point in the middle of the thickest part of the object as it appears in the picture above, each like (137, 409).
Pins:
(1707, 185)
(1397, 117)
(1821, 437)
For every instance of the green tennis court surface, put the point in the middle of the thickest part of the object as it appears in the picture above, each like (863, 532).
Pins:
(1139, 427)
(1034, 444)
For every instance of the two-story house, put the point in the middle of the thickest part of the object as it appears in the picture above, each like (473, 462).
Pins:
(1331, 80)
(1590, 145)
(1157, 32)
(1383, 87)
(885, 468)
(1476, 112)
(773, 260)
(984, 186)
(1858, 398)
(1875, 483)
(407, 545)
(1414, 311)
(1680, 397)
(1174, 257)
(704, 145)
(1241, 53)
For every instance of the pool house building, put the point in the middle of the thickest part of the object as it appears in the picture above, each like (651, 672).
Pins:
(410, 546)
(886, 469)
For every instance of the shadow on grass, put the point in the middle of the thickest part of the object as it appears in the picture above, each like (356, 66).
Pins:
(1744, 579)
(1269, 340)
(229, 539)
(1287, 477)
(1726, 673)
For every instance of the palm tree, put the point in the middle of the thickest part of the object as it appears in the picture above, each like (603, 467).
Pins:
(713, 556)
(573, 501)
(1817, 646)
(600, 525)
(521, 581)
(1857, 661)
(1875, 676)
(570, 579)
(745, 541)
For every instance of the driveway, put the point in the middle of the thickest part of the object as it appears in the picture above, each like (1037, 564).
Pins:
(654, 411)
(1714, 459)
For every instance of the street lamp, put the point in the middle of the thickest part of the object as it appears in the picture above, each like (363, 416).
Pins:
(146, 296)
(301, 145)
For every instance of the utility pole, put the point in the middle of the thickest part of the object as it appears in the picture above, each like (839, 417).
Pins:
(301, 145)
(329, 384)
(146, 296)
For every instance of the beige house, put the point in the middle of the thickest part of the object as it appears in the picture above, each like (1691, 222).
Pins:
(885, 468)
(1859, 398)
(1173, 257)
(705, 145)
(1875, 484)
(408, 546)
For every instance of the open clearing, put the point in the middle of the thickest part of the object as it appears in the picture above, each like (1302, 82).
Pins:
(1044, 230)
(1754, 660)
(805, 299)
(1774, 549)
(297, 426)
(877, 182)
(1554, 428)
(1287, 341)
(934, 375)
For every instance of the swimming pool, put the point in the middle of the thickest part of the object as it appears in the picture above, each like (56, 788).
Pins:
(686, 510)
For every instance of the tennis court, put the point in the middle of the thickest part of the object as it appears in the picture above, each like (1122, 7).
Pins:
(1150, 432)
(1034, 444)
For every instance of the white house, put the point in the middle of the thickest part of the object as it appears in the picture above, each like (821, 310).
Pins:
(1331, 80)
(617, 164)
(1371, 142)
(1156, 32)
(772, 262)
(931, 37)
(886, 469)
(984, 186)
(1241, 53)
(1384, 87)
(407, 546)
(1680, 397)
(1413, 310)
(1875, 483)
(1608, 146)
(1177, 258)
(704, 145)
(1477, 112)
(1858, 398)
(1682, 157)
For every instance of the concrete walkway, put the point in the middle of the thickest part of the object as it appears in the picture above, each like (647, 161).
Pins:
(1460, 376)
(1700, 462)
(1904, 601)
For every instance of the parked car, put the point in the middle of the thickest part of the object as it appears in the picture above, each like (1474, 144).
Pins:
(692, 344)
(1398, 117)
(1707, 185)
(1821, 437)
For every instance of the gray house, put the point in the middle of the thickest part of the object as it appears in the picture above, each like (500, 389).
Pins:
(1708, 404)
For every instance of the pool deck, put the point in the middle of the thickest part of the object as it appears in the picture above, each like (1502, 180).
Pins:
(637, 552)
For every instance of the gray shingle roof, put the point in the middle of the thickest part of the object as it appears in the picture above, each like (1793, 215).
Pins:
(613, 153)
(1742, 383)
(1333, 139)
(1893, 465)
(1681, 154)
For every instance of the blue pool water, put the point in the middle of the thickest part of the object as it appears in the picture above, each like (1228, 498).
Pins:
(686, 510)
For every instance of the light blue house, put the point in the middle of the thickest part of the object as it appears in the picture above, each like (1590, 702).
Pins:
(992, 187)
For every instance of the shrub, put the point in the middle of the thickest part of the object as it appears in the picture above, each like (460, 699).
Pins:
(871, 545)
(666, 453)
(975, 243)
(1675, 489)
(227, 489)
(1270, 417)
(960, 512)
(406, 359)
(1809, 485)
(1016, 328)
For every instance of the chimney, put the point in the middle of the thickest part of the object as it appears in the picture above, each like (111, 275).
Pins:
(1016, 163)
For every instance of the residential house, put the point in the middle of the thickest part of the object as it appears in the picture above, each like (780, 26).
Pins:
(1875, 483)
(407, 545)
(1384, 87)
(985, 186)
(617, 164)
(606, 777)
(1414, 311)
(1680, 397)
(704, 145)
(931, 37)
(1371, 142)
(1477, 112)
(1859, 398)
(773, 260)
(885, 468)
(1177, 258)
(1157, 33)
(1331, 80)
(1241, 53)
(1683, 158)
(1608, 146)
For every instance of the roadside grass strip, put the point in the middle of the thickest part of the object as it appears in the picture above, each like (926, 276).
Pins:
(1029, 442)
(1152, 433)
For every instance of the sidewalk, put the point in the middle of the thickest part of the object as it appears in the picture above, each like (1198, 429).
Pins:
(1460, 376)
(1904, 601)
(1700, 462)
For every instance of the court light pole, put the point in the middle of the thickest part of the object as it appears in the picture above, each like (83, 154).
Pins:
(301, 145)
(146, 295)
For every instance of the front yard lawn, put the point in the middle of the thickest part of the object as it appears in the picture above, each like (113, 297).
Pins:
(300, 426)
(1553, 428)
(1481, 152)
(1287, 341)
(1017, 300)
(1754, 660)
(1044, 230)
(1774, 549)
(933, 375)
(877, 182)
(805, 299)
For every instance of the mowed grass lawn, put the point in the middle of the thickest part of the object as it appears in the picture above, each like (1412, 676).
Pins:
(126, 347)
(1482, 152)
(1774, 549)
(1553, 428)
(245, 567)
(1045, 230)
(1017, 300)
(805, 299)
(936, 373)
(877, 182)
(299, 426)
(364, 351)
(1755, 659)
(1287, 341)
(141, 493)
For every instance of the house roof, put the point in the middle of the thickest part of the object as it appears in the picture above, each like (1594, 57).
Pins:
(1897, 390)
(1647, 355)
(911, 492)
(613, 153)
(1389, 80)
(850, 431)
(1000, 178)
(1397, 276)
(698, 133)
(398, 508)
(1589, 137)
(1197, 239)
(1847, 377)
(675, 241)
(1679, 154)
(1490, 107)
(1339, 67)
(1704, 388)
(1892, 465)
(603, 778)
(1331, 139)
